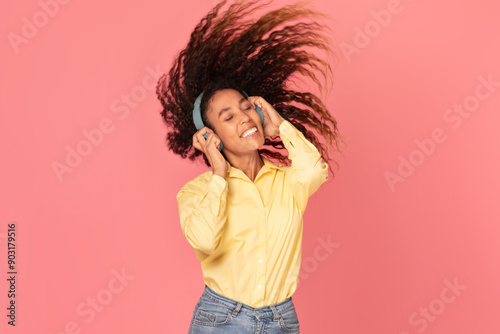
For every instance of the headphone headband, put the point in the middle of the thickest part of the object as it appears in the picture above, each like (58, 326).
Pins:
(197, 114)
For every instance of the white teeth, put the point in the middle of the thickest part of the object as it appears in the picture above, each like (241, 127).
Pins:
(249, 132)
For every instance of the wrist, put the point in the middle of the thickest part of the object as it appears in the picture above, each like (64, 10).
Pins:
(221, 173)
(278, 132)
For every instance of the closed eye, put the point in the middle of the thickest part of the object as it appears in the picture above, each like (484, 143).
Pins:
(228, 119)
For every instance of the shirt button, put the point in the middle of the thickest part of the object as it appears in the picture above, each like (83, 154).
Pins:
(259, 211)
(259, 286)
(260, 261)
(261, 236)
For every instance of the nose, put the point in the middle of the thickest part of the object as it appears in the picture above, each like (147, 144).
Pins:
(245, 117)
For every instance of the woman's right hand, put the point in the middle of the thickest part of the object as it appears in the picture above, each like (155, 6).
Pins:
(210, 147)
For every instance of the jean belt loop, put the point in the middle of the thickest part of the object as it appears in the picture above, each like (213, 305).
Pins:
(277, 315)
(237, 309)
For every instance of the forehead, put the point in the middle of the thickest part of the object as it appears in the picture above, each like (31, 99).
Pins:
(223, 98)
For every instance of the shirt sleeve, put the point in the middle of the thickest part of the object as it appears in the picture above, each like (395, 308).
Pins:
(202, 212)
(308, 170)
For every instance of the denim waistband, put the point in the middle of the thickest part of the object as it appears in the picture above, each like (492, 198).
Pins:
(263, 312)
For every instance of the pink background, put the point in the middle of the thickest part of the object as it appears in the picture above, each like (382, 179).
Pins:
(393, 248)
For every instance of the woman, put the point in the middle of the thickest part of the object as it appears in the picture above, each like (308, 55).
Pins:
(243, 218)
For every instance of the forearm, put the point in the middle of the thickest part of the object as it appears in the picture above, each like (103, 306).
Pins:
(306, 158)
(308, 170)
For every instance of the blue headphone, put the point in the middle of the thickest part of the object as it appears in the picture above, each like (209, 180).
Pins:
(199, 123)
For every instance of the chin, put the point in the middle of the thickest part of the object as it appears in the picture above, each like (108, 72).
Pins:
(256, 145)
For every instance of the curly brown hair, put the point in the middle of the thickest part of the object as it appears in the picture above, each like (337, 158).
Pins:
(228, 51)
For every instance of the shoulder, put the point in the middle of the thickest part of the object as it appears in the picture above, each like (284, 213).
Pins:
(197, 184)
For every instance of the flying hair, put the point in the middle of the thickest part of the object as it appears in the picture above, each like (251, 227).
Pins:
(263, 57)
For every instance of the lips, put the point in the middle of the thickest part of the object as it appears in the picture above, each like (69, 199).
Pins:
(249, 129)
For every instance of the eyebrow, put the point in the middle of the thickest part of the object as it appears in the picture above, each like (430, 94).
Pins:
(227, 108)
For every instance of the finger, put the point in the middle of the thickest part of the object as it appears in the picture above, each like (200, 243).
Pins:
(252, 100)
(206, 129)
(198, 138)
(197, 146)
(213, 141)
(196, 143)
(201, 133)
(257, 101)
(206, 143)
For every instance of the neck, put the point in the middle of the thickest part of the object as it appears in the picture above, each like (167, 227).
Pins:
(249, 164)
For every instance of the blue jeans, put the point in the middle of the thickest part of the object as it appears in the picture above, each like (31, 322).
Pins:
(215, 313)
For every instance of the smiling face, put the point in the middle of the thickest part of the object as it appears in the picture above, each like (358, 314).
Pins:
(232, 115)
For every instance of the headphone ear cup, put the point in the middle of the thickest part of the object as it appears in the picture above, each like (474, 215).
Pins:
(220, 146)
(259, 111)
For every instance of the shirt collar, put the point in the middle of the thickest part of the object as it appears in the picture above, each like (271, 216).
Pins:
(235, 172)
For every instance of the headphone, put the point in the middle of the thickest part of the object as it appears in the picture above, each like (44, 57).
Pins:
(199, 123)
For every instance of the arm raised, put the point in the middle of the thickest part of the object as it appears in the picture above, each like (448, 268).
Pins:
(308, 170)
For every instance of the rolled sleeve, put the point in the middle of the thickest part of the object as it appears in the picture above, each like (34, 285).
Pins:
(202, 211)
(308, 170)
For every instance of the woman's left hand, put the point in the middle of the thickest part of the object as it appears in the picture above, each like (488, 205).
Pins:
(272, 119)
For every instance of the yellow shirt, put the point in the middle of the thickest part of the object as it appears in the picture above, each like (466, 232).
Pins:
(248, 235)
